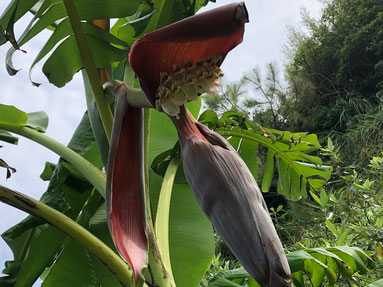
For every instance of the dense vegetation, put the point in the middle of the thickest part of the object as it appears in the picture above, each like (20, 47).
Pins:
(332, 86)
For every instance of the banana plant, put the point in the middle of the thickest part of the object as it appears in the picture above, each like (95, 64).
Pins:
(154, 222)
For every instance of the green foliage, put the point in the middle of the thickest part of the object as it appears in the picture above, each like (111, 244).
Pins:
(315, 266)
(346, 212)
(341, 58)
(35, 245)
(377, 283)
(327, 264)
(298, 172)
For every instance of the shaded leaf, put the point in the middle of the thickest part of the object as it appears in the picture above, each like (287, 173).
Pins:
(209, 118)
(141, 23)
(191, 238)
(12, 267)
(269, 171)
(248, 151)
(72, 268)
(53, 10)
(7, 137)
(18, 8)
(161, 13)
(96, 122)
(48, 171)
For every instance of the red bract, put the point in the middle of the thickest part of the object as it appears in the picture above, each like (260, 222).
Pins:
(125, 187)
(205, 35)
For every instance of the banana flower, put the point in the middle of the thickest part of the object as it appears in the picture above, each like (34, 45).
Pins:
(175, 65)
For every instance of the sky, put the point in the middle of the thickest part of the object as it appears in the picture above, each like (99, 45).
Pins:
(264, 39)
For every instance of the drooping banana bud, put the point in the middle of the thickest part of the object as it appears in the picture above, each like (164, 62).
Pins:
(231, 199)
(125, 186)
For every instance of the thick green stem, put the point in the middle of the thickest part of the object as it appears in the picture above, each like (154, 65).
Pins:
(82, 236)
(88, 170)
(90, 67)
(147, 115)
(156, 274)
(163, 211)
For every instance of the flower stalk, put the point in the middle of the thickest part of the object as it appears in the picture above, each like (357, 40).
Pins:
(163, 212)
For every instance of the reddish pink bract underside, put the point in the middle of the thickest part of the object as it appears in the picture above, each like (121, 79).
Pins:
(204, 35)
(125, 193)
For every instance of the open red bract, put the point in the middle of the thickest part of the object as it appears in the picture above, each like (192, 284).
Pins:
(125, 187)
(204, 35)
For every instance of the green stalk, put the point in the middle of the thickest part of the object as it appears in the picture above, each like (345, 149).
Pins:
(163, 211)
(82, 236)
(90, 67)
(88, 170)
(147, 115)
(156, 274)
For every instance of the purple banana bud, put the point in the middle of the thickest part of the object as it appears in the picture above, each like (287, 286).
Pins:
(231, 199)
(125, 187)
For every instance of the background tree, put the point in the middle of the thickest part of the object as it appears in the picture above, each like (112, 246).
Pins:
(332, 83)
(341, 57)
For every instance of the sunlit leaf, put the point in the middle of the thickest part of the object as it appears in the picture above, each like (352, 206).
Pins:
(38, 121)
(13, 116)
(378, 283)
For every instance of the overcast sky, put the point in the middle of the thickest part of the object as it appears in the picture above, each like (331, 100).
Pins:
(264, 38)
